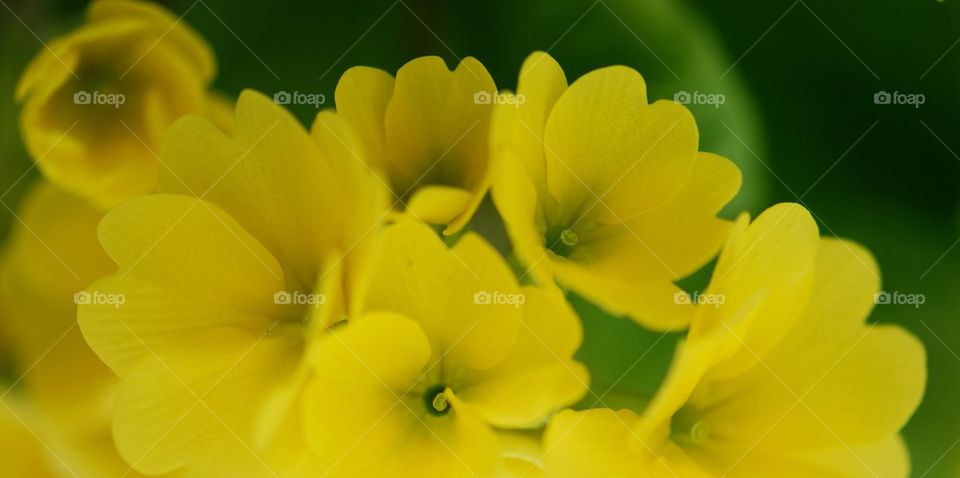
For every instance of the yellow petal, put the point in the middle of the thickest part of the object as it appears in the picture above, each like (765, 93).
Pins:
(362, 96)
(179, 411)
(184, 265)
(518, 127)
(591, 443)
(146, 65)
(52, 255)
(516, 198)
(439, 204)
(445, 291)
(436, 130)
(174, 32)
(539, 375)
(651, 303)
(353, 406)
(772, 259)
(603, 140)
(888, 459)
(831, 393)
(674, 239)
(823, 387)
(364, 417)
(272, 159)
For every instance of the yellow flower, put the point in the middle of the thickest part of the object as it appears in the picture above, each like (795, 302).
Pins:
(446, 348)
(605, 193)
(249, 252)
(52, 255)
(783, 379)
(98, 100)
(427, 132)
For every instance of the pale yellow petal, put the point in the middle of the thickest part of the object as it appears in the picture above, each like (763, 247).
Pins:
(603, 140)
(179, 411)
(362, 96)
(539, 375)
(452, 294)
(185, 265)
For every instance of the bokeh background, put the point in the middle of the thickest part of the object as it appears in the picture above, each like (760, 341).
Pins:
(798, 80)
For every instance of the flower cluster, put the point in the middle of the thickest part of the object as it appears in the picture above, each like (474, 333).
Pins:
(209, 290)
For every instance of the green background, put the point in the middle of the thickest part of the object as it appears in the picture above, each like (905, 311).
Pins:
(799, 78)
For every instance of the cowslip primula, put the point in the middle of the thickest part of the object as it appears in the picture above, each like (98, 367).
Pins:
(426, 131)
(97, 101)
(775, 382)
(445, 350)
(51, 256)
(249, 253)
(605, 193)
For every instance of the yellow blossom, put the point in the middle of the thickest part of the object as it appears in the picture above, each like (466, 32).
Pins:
(52, 256)
(446, 349)
(250, 251)
(605, 193)
(784, 379)
(426, 130)
(97, 101)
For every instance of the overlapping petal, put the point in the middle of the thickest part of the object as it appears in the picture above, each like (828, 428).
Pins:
(605, 193)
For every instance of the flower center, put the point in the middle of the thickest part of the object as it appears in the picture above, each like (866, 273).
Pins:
(436, 400)
(688, 429)
(562, 241)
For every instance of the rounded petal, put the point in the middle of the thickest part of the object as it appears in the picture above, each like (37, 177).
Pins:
(184, 265)
(439, 204)
(452, 294)
(175, 32)
(518, 127)
(768, 266)
(98, 100)
(604, 142)
(273, 159)
(178, 411)
(354, 407)
(591, 443)
(436, 129)
(362, 96)
(539, 375)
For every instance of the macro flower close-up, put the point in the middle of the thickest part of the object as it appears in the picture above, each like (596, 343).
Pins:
(585, 239)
